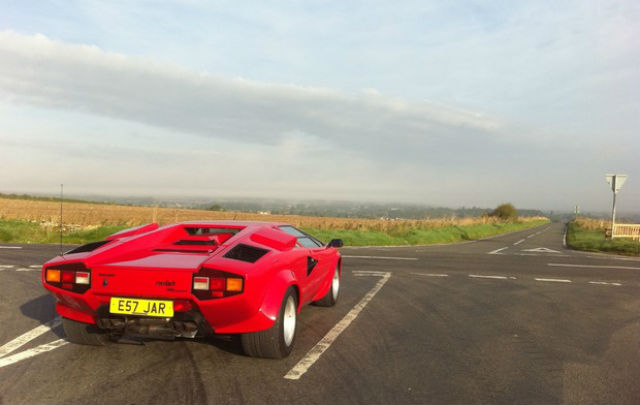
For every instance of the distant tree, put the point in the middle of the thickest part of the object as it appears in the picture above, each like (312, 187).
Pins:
(214, 207)
(505, 211)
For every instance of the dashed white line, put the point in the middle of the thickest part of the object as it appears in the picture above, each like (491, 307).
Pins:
(592, 266)
(6, 266)
(431, 274)
(604, 283)
(28, 336)
(381, 257)
(36, 266)
(553, 280)
(10, 247)
(518, 242)
(368, 273)
(497, 251)
(6, 361)
(483, 276)
(531, 236)
(316, 351)
(26, 269)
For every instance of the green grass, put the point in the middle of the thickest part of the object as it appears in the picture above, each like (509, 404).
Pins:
(28, 232)
(594, 241)
(419, 236)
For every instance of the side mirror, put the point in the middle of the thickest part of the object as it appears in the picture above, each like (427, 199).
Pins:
(336, 243)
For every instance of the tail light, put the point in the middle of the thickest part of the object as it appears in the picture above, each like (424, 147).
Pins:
(209, 283)
(73, 277)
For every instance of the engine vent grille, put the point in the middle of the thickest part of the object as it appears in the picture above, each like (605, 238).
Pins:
(197, 242)
(246, 253)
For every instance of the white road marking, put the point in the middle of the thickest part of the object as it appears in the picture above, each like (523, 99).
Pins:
(6, 266)
(497, 251)
(368, 273)
(29, 336)
(592, 266)
(316, 351)
(6, 361)
(431, 274)
(381, 257)
(518, 242)
(604, 283)
(605, 256)
(531, 236)
(553, 280)
(26, 269)
(482, 276)
(10, 247)
(36, 266)
(540, 250)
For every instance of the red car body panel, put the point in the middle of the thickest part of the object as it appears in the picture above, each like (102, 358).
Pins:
(160, 263)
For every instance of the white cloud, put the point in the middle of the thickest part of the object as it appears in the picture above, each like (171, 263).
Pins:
(38, 71)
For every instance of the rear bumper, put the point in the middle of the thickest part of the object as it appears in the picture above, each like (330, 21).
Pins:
(229, 315)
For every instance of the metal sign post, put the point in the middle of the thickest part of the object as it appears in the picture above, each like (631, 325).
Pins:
(615, 181)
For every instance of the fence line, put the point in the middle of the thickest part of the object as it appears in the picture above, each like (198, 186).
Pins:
(626, 231)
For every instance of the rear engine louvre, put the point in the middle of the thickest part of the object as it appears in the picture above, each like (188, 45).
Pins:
(199, 241)
(210, 284)
(74, 277)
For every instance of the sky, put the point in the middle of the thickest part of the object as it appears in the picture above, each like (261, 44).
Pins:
(465, 103)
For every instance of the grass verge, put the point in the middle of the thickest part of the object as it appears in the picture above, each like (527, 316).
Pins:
(420, 236)
(593, 240)
(15, 231)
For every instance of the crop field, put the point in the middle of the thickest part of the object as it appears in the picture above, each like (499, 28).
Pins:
(80, 218)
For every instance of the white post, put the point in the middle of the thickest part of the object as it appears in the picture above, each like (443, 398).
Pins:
(615, 181)
(613, 214)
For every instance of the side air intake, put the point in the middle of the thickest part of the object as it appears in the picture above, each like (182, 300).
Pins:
(89, 247)
(246, 253)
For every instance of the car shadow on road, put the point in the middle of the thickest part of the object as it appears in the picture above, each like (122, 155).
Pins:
(43, 310)
(227, 343)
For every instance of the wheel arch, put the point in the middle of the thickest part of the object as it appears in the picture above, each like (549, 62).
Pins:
(275, 291)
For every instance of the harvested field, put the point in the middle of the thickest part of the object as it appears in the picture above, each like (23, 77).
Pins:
(86, 214)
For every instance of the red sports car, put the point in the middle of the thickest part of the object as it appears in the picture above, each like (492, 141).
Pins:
(195, 279)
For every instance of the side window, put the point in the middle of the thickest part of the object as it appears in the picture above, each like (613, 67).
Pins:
(303, 239)
(308, 242)
(292, 231)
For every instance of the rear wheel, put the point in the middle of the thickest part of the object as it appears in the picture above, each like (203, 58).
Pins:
(84, 333)
(277, 341)
(331, 297)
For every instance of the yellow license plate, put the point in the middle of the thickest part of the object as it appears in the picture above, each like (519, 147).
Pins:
(136, 306)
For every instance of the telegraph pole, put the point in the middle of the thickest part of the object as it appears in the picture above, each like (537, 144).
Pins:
(615, 181)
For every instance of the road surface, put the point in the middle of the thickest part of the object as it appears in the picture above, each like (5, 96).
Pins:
(511, 319)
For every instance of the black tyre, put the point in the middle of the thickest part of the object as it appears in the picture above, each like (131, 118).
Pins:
(84, 333)
(331, 297)
(277, 341)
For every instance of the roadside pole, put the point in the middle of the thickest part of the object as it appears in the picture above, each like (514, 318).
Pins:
(615, 181)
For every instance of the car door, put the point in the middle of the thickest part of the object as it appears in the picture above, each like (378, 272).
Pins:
(317, 261)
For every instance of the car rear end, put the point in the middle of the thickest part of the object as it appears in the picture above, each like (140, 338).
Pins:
(180, 289)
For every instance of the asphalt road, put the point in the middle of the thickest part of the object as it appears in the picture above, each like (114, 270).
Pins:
(512, 319)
